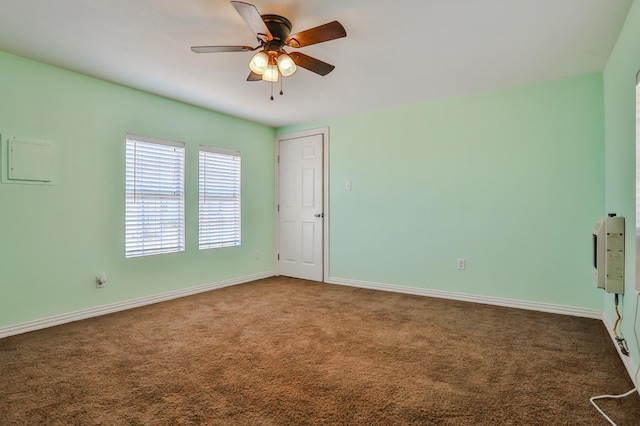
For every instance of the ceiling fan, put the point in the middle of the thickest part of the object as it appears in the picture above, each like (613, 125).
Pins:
(273, 34)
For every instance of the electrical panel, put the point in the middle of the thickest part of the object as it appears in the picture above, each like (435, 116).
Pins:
(31, 160)
(28, 161)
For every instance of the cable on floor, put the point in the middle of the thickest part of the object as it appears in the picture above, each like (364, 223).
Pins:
(635, 333)
(622, 343)
(615, 326)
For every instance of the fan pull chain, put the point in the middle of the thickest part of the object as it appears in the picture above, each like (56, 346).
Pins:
(281, 92)
(272, 90)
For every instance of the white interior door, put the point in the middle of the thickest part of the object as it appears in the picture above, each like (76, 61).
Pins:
(300, 207)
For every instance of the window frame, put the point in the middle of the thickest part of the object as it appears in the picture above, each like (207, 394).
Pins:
(154, 196)
(228, 198)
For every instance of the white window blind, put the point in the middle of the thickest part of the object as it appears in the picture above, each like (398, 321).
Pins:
(219, 211)
(154, 204)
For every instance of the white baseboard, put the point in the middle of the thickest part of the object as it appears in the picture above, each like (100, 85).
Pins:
(38, 324)
(626, 360)
(509, 303)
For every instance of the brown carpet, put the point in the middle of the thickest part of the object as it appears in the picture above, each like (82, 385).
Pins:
(283, 351)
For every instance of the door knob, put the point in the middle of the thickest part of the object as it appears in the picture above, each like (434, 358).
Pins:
(319, 215)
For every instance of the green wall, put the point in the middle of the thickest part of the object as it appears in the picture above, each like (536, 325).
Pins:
(620, 128)
(511, 180)
(54, 240)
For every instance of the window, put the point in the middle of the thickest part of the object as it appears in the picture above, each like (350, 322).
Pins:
(637, 175)
(219, 212)
(154, 203)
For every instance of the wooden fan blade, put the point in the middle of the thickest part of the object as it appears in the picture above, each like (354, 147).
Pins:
(312, 64)
(326, 32)
(249, 13)
(254, 77)
(217, 49)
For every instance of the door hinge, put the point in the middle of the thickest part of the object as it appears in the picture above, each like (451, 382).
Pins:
(278, 158)
(278, 256)
(278, 207)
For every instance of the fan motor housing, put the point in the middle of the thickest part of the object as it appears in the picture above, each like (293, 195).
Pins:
(279, 27)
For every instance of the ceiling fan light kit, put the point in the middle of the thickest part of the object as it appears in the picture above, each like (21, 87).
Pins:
(273, 34)
(271, 74)
(286, 66)
(259, 63)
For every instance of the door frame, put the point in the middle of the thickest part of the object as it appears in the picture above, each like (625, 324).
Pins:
(324, 131)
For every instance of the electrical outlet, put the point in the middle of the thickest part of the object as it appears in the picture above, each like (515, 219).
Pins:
(257, 254)
(461, 263)
(101, 280)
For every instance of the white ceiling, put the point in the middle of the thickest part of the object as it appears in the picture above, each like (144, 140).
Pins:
(395, 53)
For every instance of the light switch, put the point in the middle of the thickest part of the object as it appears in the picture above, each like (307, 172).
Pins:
(348, 185)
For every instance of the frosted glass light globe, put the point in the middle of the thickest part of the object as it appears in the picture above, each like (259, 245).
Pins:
(270, 74)
(286, 65)
(259, 63)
